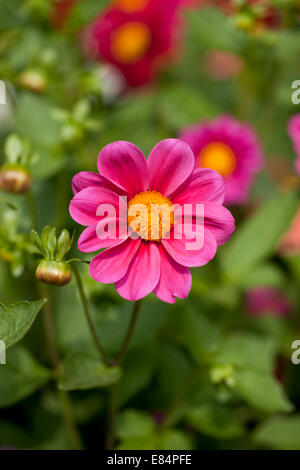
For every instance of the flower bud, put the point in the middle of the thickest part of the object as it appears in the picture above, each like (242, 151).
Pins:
(54, 272)
(33, 80)
(15, 179)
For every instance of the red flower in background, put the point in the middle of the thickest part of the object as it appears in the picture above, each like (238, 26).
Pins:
(136, 36)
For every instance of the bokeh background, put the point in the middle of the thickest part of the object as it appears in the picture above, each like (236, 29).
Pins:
(213, 371)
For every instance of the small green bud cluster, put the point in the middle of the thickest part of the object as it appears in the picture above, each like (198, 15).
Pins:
(15, 176)
(53, 269)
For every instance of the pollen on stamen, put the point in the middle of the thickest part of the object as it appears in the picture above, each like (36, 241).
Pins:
(150, 215)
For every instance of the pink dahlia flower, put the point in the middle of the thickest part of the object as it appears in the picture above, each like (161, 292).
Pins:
(294, 133)
(267, 301)
(144, 263)
(230, 148)
(136, 36)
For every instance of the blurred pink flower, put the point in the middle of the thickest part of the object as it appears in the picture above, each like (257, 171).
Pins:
(294, 133)
(145, 264)
(290, 242)
(230, 148)
(222, 65)
(137, 36)
(267, 301)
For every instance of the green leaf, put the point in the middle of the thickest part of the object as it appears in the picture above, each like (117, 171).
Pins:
(279, 432)
(16, 320)
(63, 245)
(183, 106)
(245, 350)
(264, 274)
(262, 391)
(173, 439)
(13, 148)
(134, 424)
(21, 376)
(215, 420)
(83, 370)
(257, 237)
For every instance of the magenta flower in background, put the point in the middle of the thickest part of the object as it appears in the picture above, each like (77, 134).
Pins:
(230, 148)
(145, 264)
(267, 301)
(294, 133)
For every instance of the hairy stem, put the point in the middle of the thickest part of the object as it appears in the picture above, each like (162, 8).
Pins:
(88, 315)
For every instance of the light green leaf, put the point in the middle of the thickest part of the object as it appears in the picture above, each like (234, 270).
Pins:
(16, 320)
(83, 370)
(279, 432)
(21, 376)
(257, 237)
(262, 391)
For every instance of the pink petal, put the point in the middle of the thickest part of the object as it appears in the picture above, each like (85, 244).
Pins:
(175, 280)
(124, 164)
(203, 185)
(170, 163)
(84, 205)
(178, 250)
(112, 264)
(84, 179)
(89, 241)
(217, 219)
(143, 273)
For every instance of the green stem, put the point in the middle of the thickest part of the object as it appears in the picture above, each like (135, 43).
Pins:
(113, 392)
(64, 398)
(88, 315)
(32, 210)
(124, 347)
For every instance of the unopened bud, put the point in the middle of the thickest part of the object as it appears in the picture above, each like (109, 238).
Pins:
(33, 80)
(14, 179)
(54, 272)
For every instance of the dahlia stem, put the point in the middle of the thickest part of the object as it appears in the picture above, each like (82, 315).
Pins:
(32, 210)
(85, 305)
(64, 398)
(113, 391)
(124, 347)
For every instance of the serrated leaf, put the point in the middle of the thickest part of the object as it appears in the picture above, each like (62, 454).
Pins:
(257, 237)
(21, 376)
(84, 370)
(16, 320)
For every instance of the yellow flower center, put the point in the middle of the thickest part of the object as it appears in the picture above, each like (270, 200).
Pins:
(150, 215)
(130, 42)
(219, 157)
(131, 6)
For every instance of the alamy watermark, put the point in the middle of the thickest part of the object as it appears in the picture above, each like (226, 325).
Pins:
(2, 92)
(152, 222)
(2, 353)
(296, 93)
(296, 353)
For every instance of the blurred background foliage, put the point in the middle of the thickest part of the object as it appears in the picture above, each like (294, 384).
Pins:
(201, 374)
